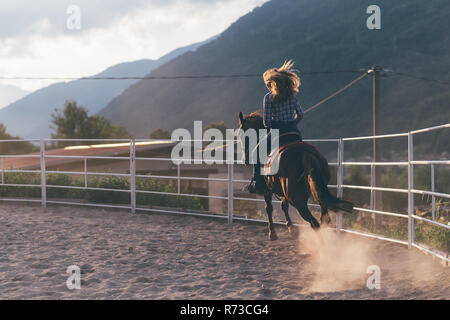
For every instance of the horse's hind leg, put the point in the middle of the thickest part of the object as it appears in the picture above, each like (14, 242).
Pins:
(298, 194)
(285, 208)
(324, 216)
(269, 210)
(304, 212)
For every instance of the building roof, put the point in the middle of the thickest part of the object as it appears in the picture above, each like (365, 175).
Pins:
(110, 149)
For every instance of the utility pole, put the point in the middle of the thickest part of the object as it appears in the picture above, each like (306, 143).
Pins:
(376, 150)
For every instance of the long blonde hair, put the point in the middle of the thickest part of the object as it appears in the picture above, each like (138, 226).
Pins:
(283, 82)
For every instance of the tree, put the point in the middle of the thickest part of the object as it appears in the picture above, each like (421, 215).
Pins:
(217, 125)
(73, 122)
(70, 122)
(159, 134)
(98, 126)
(21, 147)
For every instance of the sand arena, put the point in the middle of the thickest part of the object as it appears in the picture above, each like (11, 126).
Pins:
(163, 256)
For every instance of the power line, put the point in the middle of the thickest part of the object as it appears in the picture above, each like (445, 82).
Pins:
(218, 76)
(421, 78)
(133, 78)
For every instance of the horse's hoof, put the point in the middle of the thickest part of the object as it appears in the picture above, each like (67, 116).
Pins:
(325, 221)
(315, 225)
(273, 236)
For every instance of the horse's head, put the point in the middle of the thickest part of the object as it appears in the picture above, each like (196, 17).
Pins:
(253, 121)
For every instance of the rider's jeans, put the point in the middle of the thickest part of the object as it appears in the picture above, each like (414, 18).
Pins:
(283, 127)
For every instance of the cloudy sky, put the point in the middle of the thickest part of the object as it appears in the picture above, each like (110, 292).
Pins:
(35, 40)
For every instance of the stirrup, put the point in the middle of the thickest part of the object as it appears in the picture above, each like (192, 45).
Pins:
(245, 188)
(252, 188)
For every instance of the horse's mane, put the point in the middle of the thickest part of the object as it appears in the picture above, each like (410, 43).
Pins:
(256, 118)
(255, 115)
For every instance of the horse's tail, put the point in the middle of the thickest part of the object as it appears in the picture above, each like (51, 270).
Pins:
(321, 194)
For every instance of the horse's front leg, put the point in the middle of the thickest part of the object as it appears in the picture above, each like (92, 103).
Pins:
(269, 210)
(285, 208)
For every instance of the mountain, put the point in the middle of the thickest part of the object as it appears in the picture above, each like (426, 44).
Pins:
(9, 94)
(30, 117)
(326, 35)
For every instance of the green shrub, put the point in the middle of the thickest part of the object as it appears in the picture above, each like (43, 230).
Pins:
(21, 178)
(98, 196)
(150, 184)
(108, 182)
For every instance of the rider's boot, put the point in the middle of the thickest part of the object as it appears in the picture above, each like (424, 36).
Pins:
(258, 186)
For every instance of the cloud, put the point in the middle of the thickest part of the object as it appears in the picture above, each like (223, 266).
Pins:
(19, 17)
(111, 33)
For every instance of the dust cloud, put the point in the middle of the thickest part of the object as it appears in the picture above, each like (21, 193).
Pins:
(337, 262)
(340, 263)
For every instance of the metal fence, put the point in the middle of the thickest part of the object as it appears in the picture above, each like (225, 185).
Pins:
(230, 181)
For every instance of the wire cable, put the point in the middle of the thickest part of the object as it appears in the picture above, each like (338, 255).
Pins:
(218, 76)
(336, 93)
(420, 78)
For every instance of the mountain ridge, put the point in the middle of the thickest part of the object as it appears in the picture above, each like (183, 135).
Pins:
(23, 118)
(320, 36)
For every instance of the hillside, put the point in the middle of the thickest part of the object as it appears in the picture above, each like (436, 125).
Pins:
(9, 94)
(30, 117)
(325, 35)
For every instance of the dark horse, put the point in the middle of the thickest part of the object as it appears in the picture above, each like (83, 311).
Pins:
(302, 171)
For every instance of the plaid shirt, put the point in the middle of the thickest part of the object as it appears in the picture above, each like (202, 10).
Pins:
(287, 111)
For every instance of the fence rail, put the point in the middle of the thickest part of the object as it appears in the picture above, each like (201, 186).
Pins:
(340, 164)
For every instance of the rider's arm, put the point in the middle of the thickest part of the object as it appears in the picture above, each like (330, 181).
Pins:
(299, 110)
(267, 111)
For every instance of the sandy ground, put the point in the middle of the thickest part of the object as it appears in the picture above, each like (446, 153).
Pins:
(156, 256)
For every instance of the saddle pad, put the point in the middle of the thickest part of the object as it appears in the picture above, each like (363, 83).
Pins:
(271, 168)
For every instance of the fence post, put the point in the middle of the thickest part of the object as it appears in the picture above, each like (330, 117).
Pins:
(372, 180)
(133, 175)
(230, 161)
(43, 175)
(433, 198)
(3, 172)
(340, 181)
(85, 173)
(410, 194)
(178, 178)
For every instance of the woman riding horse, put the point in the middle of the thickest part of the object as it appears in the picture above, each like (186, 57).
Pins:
(302, 170)
(281, 111)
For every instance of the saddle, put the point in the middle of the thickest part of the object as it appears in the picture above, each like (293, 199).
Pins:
(290, 141)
